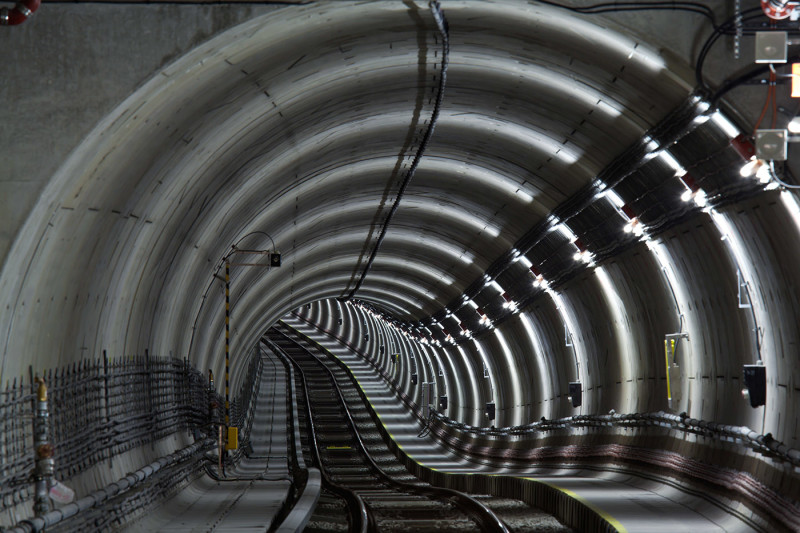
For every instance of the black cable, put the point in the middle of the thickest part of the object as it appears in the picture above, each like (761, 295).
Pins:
(774, 176)
(441, 23)
(726, 28)
(618, 7)
(715, 35)
(735, 82)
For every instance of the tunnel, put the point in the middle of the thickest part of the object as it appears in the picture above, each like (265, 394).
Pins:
(567, 228)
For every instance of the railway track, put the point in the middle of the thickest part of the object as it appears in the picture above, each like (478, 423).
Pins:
(362, 479)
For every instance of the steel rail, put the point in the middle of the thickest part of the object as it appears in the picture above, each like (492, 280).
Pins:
(359, 513)
(298, 508)
(486, 519)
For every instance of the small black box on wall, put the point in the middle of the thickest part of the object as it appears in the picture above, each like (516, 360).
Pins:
(575, 393)
(490, 410)
(755, 382)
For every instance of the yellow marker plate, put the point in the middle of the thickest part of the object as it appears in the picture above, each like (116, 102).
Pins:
(338, 448)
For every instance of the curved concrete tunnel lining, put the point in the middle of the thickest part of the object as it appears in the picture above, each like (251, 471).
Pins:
(108, 286)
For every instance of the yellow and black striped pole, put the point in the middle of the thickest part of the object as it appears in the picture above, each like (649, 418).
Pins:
(227, 340)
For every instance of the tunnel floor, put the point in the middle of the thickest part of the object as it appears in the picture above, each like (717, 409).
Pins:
(252, 494)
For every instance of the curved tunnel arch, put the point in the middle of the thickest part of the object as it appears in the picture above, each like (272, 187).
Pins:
(306, 135)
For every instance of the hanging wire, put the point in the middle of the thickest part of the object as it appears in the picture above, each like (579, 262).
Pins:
(782, 183)
(770, 98)
(618, 7)
(441, 23)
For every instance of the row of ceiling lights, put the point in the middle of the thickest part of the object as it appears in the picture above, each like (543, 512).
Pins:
(753, 166)
(631, 224)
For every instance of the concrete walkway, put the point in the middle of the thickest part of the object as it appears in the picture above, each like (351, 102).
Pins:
(247, 505)
(628, 502)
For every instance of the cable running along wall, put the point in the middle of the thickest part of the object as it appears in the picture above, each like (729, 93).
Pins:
(101, 408)
(441, 24)
(98, 409)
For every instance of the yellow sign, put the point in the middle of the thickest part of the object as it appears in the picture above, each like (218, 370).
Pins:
(233, 439)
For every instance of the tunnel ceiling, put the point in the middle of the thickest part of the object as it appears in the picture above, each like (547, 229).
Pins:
(294, 131)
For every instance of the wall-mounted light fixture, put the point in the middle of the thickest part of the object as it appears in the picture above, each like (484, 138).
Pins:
(538, 278)
(448, 337)
(693, 191)
(582, 254)
(634, 226)
(509, 304)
